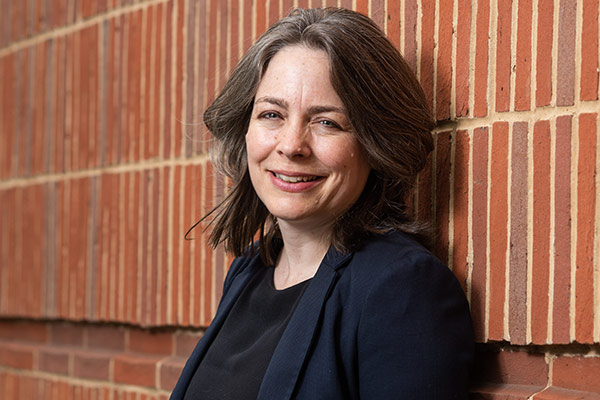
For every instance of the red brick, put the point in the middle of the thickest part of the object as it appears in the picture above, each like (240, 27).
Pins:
(163, 273)
(157, 63)
(185, 343)
(578, 373)
(82, 110)
(167, 135)
(61, 245)
(66, 334)
(394, 24)
(496, 391)
(566, 52)
(362, 6)
(185, 290)
(103, 251)
(463, 50)
(9, 219)
(148, 96)
(114, 286)
(111, 90)
(480, 108)
(589, 51)
(16, 355)
(53, 360)
(94, 77)
(27, 331)
(541, 232)
(518, 235)
(79, 246)
(410, 34)
(261, 17)
(15, 25)
(135, 369)
(205, 276)
(562, 236)
(543, 76)
(143, 212)
(273, 12)
(377, 11)
(554, 393)
(212, 46)
(39, 118)
(27, 387)
(498, 218)
(503, 55)
(88, 8)
(130, 286)
(152, 309)
(75, 150)
(8, 385)
(200, 243)
(7, 69)
(134, 75)
(444, 59)
(32, 256)
(91, 365)
(523, 67)
(480, 200)
(58, 137)
(176, 239)
(170, 369)
(586, 217)
(511, 367)
(427, 47)
(106, 337)
(143, 341)
(222, 52)
(460, 212)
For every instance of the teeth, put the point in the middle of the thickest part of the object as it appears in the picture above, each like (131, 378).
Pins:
(296, 179)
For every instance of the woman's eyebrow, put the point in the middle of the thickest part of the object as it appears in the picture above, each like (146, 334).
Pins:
(324, 109)
(311, 110)
(272, 100)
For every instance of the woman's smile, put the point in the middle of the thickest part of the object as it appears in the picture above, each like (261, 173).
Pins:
(291, 182)
(304, 161)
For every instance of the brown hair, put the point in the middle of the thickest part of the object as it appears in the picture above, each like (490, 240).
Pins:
(386, 108)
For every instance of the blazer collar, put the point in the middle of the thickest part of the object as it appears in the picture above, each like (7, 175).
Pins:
(238, 283)
(290, 354)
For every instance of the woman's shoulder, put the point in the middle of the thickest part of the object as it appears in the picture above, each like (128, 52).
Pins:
(241, 263)
(394, 248)
(397, 259)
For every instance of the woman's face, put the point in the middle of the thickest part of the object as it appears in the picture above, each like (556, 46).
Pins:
(305, 164)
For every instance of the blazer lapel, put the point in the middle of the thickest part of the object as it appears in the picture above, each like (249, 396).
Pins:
(239, 282)
(290, 354)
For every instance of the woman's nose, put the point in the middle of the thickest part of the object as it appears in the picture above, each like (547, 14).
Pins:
(293, 141)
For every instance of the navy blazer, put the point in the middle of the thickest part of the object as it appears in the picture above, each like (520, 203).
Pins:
(388, 321)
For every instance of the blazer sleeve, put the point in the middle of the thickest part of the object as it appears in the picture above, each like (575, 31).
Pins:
(415, 337)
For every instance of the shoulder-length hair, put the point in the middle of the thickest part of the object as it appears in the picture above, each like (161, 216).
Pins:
(386, 108)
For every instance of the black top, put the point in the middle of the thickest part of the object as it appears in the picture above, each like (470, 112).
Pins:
(235, 363)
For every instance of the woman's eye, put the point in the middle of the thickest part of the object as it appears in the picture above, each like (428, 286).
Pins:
(329, 124)
(269, 115)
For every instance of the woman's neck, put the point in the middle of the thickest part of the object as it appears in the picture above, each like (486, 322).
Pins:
(302, 253)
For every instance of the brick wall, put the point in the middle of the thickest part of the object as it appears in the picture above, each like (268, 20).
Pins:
(103, 167)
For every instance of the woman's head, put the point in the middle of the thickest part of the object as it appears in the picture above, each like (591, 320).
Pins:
(386, 110)
(305, 163)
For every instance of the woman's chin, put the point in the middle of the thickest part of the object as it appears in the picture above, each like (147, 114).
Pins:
(301, 218)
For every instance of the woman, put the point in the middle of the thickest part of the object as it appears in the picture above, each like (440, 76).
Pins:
(322, 128)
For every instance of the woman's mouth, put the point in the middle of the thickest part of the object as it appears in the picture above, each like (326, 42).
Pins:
(296, 179)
